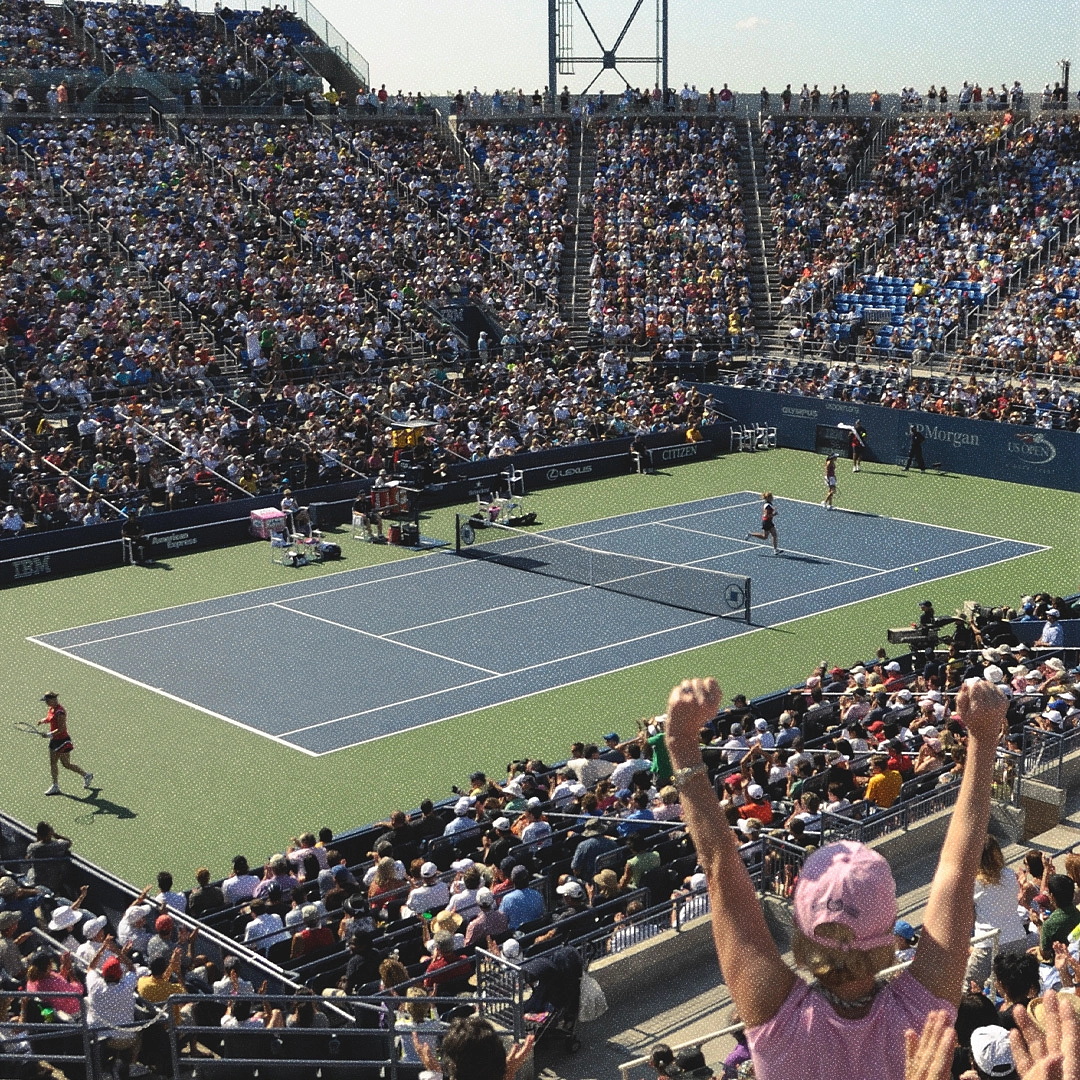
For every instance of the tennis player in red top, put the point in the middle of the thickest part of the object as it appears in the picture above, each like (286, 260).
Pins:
(60, 745)
(768, 523)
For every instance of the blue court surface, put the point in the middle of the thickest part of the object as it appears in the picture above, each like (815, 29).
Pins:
(340, 660)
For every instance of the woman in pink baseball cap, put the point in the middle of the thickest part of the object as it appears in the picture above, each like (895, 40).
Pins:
(846, 1022)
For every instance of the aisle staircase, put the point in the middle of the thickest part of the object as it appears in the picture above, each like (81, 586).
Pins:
(760, 245)
(574, 278)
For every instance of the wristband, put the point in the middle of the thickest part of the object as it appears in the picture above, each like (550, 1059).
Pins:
(680, 777)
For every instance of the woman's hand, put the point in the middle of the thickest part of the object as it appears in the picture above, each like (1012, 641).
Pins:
(929, 1056)
(691, 705)
(1053, 1054)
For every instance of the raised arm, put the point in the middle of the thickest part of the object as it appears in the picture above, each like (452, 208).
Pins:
(757, 978)
(942, 952)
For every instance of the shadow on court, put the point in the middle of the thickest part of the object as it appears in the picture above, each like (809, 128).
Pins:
(101, 807)
(791, 557)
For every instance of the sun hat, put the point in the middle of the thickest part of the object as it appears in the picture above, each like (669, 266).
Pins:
(990, 1051)
(849, 884)
(992, 673)
(63, 918)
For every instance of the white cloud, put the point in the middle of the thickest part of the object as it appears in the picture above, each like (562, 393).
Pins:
(751, 23)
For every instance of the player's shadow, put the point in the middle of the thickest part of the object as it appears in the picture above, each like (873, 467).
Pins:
(101, 807)
(791, 557)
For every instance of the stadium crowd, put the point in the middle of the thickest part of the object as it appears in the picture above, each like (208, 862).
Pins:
(596, 853)
(670, 263)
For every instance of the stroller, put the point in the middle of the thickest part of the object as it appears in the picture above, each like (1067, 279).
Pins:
(555, 978)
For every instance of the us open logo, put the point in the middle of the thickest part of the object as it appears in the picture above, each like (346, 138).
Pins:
(1033, 449)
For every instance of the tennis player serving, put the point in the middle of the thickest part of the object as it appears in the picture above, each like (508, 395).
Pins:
(60, 744)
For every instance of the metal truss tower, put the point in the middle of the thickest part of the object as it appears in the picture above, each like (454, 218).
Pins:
(562, 56)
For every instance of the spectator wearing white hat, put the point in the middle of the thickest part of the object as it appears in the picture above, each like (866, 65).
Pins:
(11, 524)
(762, 736)
(93, 932)
(736, 746)
(489, 923)
(431, 894)
(1052, 636)
(462, 823)
(991, 1054)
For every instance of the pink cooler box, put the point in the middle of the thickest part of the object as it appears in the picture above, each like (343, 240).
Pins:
(266, 522)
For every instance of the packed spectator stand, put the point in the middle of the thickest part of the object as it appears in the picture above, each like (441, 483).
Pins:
(503, 877)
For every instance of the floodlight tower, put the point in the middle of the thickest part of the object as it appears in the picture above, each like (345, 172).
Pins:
(562, 57)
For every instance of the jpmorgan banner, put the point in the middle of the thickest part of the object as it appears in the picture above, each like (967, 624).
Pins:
(1023, 455)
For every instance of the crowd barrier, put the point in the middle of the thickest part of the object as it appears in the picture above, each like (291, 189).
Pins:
(996, 451)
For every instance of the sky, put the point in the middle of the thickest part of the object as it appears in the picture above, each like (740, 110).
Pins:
(439, 45)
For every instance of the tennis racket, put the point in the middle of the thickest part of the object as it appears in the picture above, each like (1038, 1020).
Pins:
(31, 729)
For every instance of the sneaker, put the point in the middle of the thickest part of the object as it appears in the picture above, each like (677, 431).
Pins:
(749, 537)
(54, 790)
(139, 1069)
(777, 552)
(826, 505)
(88, 780)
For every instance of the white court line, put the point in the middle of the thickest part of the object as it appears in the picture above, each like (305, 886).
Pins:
(808, 554)
(173, 697)
(642, 524)
(923, 524)
(879, 573)
(389, 641)
(238, 610)
(281, 740)
(503, 675)
(667, 656)
(490, 610)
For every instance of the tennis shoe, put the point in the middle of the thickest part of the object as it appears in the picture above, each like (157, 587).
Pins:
(88, 780)
(749, 537)
(54, 790)
(777, 551)
(826, 505)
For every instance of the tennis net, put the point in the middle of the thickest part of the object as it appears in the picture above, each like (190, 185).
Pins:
(691, 588)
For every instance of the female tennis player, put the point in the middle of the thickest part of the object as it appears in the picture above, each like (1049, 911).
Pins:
(768, 523)
(60, 745)
(830, 481)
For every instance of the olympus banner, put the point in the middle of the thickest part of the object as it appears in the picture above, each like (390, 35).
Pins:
(1023, 455)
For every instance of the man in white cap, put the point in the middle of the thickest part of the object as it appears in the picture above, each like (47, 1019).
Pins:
(1052, 636)
(94, 931)
(431, 894)
(490, 923)
(462, 821)
(762, 736)
(736, 746)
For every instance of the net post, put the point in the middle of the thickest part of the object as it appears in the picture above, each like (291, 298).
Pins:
(747, 593)
(457, 534)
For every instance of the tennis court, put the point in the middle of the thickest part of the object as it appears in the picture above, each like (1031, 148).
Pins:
(342, 659)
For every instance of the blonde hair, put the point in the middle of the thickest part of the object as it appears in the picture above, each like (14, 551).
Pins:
(385, 873)
(824, 961)
(990, 862)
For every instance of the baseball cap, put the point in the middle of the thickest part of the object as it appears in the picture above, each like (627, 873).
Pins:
(533, 804)
(501, 824)
(736, 729)
(1052, 613)
(49, 694)
(761, 724)
(511, 949)
(698, 881)
(485, 898)
(461, 865)
(111, 970)
(429, 870)
(892, 665)
(903, 929)
(755, 791)
(990, 1051)
(851, 885)
(572, 889)
(163, 925)
(612, 736)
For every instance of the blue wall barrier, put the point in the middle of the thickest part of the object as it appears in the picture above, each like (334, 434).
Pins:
(54, 553)
(972, 447)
